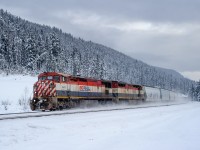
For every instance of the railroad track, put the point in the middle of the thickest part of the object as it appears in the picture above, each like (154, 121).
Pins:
(18, 113)
(67, 112)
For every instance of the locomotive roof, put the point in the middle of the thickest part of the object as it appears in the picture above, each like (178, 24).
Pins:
(68, 75)
(53, 74)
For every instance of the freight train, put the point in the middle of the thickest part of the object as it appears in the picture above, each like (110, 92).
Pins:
(55, 91)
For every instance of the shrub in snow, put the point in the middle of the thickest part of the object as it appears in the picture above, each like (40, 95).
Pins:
(24, 100)
(5, 104)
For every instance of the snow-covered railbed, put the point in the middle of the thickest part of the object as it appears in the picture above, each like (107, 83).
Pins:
(98, 108)
(175, 128)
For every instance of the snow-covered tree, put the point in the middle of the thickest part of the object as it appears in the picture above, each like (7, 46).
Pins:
(198, 91)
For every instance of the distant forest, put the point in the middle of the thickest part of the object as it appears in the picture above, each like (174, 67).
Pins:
(31, 48)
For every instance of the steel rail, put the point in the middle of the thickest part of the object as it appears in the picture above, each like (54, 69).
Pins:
(43, 114)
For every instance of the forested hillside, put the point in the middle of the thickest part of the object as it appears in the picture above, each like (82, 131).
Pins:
(31, 48)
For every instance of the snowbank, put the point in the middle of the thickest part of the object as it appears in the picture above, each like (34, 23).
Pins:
(13, 88)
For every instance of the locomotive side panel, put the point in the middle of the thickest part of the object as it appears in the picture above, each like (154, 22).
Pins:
(79, 90)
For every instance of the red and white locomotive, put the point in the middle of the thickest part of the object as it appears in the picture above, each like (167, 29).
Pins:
(57, 91)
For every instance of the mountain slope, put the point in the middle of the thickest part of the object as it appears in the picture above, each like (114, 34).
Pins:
(33, 48)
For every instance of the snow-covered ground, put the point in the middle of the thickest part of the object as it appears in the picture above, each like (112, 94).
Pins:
(13, 88)
(159, 128)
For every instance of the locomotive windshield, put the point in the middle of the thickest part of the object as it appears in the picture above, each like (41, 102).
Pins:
(42, 78)
(55, 78)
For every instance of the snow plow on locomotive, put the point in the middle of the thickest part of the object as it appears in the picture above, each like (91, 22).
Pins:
(57, 91)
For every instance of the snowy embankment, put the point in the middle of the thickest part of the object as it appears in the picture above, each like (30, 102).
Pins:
(15, 92)
(161, 128)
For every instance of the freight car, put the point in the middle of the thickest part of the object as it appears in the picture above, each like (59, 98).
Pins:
(57, 91)
(158, 94)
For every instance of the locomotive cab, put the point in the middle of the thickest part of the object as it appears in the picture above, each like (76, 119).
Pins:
(54, 78)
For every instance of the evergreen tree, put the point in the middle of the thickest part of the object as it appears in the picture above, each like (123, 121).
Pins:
(32, 53)
(4, 52)
(76, 57)
(54, 51)
(198, 91)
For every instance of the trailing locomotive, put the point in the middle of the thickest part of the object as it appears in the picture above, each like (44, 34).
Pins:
(57, 91)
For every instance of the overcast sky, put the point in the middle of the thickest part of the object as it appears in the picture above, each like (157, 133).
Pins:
(164, 33)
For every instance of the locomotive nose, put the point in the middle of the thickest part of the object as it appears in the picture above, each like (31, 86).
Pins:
(44, 88)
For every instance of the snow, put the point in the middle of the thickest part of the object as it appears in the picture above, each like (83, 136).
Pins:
(174, 127)
(13, 88)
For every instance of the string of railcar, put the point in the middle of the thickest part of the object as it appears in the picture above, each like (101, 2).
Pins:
(55, 91)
